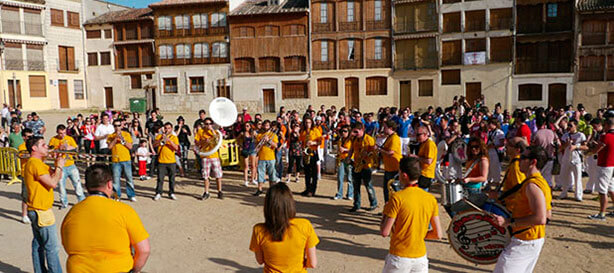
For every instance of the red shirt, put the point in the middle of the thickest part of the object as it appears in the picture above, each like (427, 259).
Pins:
(247, 118)
(605, 157)
(524, 131)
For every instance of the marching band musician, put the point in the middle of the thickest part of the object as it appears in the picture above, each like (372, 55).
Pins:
(311, 138)
(530, 207)
(362, 145)
(266, 156)
(513, 175)
(344, 167)
(427, 154)
(63, 142)
(478, 158)
(391, 154)
(120, 143)
(211, 165)
(166, 144)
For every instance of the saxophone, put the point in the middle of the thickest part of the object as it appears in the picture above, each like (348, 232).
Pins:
(262, 142)
(364, 159)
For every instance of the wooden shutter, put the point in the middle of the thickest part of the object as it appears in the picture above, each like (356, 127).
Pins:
(70, 54)
(38, 87)
(57, 17)
(62, 58)
(425, 88)
(105, 58)
(450, 77)
(376, 86)
(327, 87)
(92, 59)
(73, 19)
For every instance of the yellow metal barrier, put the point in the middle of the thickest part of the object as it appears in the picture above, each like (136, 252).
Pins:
(10, 163)
(229, 153)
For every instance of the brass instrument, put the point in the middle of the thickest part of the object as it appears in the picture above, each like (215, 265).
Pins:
(76, 156)
(307, 154)
(224, 113)
(202, 151)
(121, 138)
(394, 184)
(262, 141)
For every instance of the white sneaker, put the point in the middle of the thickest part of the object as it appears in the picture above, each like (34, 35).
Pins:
(133, 199)
(246, 183)
(254, 182)
(287, 180)
(26, 220)
(157, 197)
(172, 196)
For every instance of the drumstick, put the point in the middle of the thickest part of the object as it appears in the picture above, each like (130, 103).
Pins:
(478, 208)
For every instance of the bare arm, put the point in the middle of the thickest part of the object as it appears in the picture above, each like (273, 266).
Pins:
(51, 180)
(312, 259)
(141, 253)
(386, 225)
(436, 233)
(483, 175)
(259, 257)
(537, 203)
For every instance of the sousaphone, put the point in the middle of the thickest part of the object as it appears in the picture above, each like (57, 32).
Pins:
(224, 113)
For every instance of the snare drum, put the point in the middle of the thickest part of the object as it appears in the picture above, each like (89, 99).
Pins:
(453, 192)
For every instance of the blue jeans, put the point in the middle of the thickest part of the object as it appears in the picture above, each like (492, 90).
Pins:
(45, 246)
(266, 167)
(363, 178)
(73, 173)
(126, 166)
(343, 170)
(279, 163)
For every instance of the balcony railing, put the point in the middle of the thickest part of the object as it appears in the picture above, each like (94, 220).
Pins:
(412, 64)
(501, 24)
(350, 64)
(377, 25)
(451, 59)
(591, 74)
(220, 60)
(322, 27)
(529, 26)
(35, 65)
(402, 26)
(13, 64)
(349, 26)
(378, 63)
(593, 38)
(217, 30)
(320, 65)
(75, 67)
(34, 29)
(529, 67)
(11, 26)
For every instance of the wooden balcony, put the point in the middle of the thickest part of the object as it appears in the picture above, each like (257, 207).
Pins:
(381, 63)
(475, 25)
(530, 67)
(378, 25)
(350, 64)
(319, 65)
(451, 59)
(217, 30)
(220, 60)
(414, 26)
(196, 60)
(412, 64)
(501, 24)
(593, 38)
(349, 26)
(591, 74)
(322, 27)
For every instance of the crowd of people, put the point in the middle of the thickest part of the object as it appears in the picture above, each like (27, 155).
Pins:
(545, 150)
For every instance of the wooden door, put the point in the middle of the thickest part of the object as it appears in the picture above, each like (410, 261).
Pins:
(351, 93)
(63, 93)
(14, 93)
(405, 89)
(610, 99)
(557, 95)
(268, 99)
(108, 96)
(473, 91)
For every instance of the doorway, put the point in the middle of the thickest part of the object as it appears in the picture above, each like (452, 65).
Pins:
(14, 93)
(268, 100)
(63, 93)
(108, 96)
(557, 95)
(405, 90)
(351, 93)
(473, 91)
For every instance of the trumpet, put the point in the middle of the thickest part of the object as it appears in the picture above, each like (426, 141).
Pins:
(121, 138)
(76, 155)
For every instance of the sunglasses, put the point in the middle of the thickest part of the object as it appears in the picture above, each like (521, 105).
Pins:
(475, 146)
(208, 123)
(344, 131)
(117, 125)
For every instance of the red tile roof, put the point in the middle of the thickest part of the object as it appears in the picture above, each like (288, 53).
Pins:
(183, 2)
(121, 16)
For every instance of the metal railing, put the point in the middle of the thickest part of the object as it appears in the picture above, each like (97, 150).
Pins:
(11, 26)
(34, 29)
(14, 27)
(13, 64)
(35, 65)
(75, 67)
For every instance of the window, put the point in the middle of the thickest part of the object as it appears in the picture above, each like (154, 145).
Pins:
(164, 23)
(73, 19)
(450, 77)
(244, 32)
(475, 20)
(294, 90)
(219, 50)
(378, 49)
(108, 33)
(244, 65)
(268, 64)
(501, 49)
(197, 85)
(135, 82)
(451, 53)
(294, 63)
(183, 51)
(350, 12)
(200, 20)
(66, 58)
(105, 58)
(475, 45)
(350, 50)
(327, 87)
(131, 32)
(201, 50)
(378, 10)
(78, 89)
(57, 17)
(182, 22)
(92, 59)
(93, 34)
(166, 52)
(218, 19)
(170, 85)
(38, 86)
(377, 86)
(270, 31)
(552, 9)
(529, 91)
(425, 88)
(451, 22)
(324, 51)
(294, 30)
(594, 32)
(323, 13)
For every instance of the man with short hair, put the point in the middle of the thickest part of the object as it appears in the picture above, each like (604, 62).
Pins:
(103, 131)
(605, 169)
(40, 181)
(522, 129)
(391, 155)
(99, 234)
(363, 146)
(266, 156)
(407, 216)
(403, 129)
(211, 165)
(37, 125)
(545, 138)
(202, 114)
(427, 154)
(166, 144)
(120, 143)
(64, 142)
(15, 138)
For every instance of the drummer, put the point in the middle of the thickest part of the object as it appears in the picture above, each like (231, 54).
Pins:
(529, 206)
(478, 158)
(513, 175)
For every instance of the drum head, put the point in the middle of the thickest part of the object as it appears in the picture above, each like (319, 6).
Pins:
(459, 151)
(476, 237)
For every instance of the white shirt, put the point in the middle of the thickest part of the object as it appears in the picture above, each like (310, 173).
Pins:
(573, 139)
(5, 112)
(142, 151)
(103, 130)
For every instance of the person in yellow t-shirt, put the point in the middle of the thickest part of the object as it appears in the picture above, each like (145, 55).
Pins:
(406, 219)
(362, 146)
(26, 134)
(120, 144)
(211, 165)
(391, 155)
(40, 181)
(530, 208)
(344, 168)
(63, 142)
(166, 144)
(513, 175)
(427, 154)
(99, 234)
(310, 137)
(283, 243)
(266, 156)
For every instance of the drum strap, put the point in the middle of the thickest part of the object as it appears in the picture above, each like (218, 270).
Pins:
(506, 173)
(512, 190)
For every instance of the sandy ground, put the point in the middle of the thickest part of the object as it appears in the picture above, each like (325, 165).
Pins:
(189, 235)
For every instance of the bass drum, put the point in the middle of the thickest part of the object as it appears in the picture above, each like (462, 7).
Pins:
(476, 237)
(459, 150)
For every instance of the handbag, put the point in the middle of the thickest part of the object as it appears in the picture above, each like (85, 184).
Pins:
(45, 217)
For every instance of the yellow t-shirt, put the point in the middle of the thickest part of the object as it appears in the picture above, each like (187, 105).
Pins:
(412, 209)
(288, 254)
(428, 149)
(345, 144)
(513, 176)
(518, 205)
(39, 196)
(359, 153)
(22, 151)
(165, 154)
(56, 142)
(202, 134)
(99, 241)
(266, 153)
(313, 135)
(391, 162)
(120, 153)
